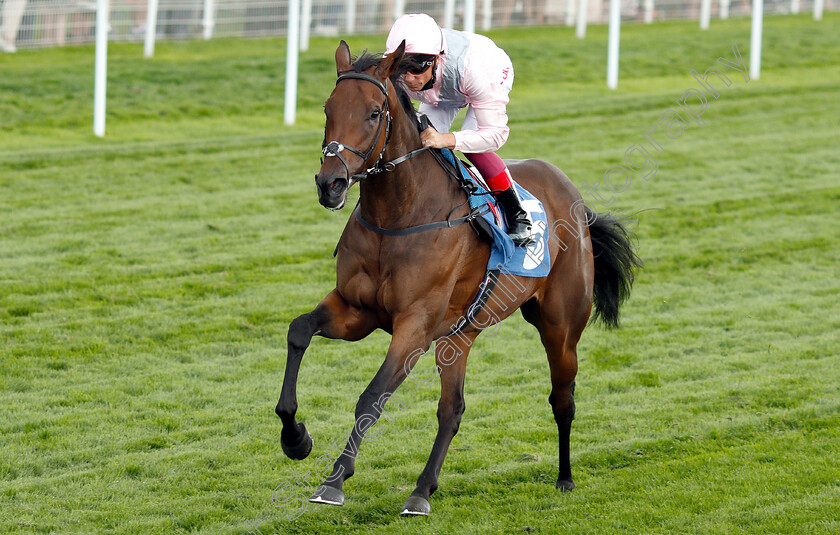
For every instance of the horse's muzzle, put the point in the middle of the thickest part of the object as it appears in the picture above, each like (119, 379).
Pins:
(332, 191)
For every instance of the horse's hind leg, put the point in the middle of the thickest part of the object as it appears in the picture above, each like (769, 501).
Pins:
(559, 332)
(332, 318)
(451, 357)
(562, 399)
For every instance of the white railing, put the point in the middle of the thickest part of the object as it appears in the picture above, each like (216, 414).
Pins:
(61, 22)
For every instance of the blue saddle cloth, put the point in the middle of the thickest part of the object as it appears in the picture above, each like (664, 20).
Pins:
(530, 261)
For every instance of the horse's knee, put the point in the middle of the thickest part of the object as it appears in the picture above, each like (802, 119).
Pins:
(450, 412)
(300, 332)
(563, 403)
(368, 404)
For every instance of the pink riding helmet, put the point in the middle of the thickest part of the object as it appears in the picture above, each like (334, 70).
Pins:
(421, 33)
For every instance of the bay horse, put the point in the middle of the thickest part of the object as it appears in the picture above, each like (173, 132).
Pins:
(416, 286)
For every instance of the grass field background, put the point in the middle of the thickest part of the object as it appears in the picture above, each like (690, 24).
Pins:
(147, 281)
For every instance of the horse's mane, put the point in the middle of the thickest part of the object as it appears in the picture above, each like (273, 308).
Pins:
(371, 59)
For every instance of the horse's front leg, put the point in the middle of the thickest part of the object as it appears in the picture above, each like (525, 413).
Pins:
(451, 357)
(410, 340)
(332, 318)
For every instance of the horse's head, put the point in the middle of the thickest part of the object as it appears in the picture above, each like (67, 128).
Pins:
(358, 123)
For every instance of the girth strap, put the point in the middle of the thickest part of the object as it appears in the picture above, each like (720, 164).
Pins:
(478, 305)
(475, 213)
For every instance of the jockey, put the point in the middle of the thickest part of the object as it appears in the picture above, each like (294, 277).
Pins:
(447, 70)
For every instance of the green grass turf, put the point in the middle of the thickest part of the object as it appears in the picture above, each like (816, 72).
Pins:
(147, 281)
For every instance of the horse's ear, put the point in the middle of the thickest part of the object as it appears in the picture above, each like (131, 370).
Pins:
(389, 65)
(342, 58)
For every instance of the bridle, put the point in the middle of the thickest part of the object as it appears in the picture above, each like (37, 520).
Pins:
(334, 148)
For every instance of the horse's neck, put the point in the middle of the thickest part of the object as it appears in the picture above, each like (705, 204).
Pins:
(415, 190)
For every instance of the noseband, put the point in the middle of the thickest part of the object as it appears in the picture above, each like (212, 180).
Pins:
(334, 148)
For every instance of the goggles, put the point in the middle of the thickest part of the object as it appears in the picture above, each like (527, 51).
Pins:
(421, 68)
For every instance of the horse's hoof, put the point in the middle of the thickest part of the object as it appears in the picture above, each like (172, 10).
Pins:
(565, 485)
(300, 450)
(416, 506)
(328, 495)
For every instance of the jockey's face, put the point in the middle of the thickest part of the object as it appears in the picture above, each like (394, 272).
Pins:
(416, 81)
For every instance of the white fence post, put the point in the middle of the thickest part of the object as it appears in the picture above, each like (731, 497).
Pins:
(305, 23)
(580, 30)
(399, 8)
(100, 74)
(612, 44)
(151, 29)
(486, 14)
(292, 39)
(448, 13)
(818, 9)
(705, 14)
(794, 7)
(648, 11)
(350, 10)
(469, 16)
(208, 21)
(755, 38)
(724, 9)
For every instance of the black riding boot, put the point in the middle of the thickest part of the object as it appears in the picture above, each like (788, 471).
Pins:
(518, 221)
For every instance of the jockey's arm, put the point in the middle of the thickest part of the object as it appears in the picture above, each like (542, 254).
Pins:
(488, 100)
(489, 136)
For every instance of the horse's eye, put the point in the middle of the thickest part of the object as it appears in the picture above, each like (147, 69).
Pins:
(375, 113)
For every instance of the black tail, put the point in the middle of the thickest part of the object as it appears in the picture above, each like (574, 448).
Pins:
(615, 263)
